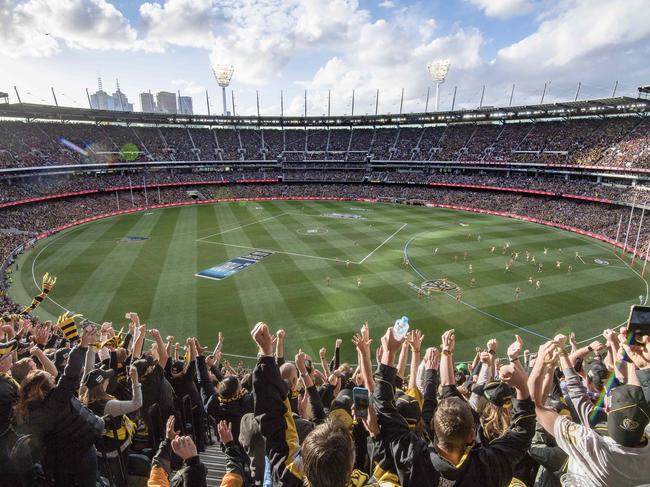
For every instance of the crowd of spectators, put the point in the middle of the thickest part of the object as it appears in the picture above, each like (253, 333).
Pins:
(83, 405)
(614, 142)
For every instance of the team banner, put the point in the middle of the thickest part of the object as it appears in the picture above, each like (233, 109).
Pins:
(233, 266)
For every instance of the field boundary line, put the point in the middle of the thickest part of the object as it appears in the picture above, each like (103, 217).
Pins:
(382, 244)
(273, 251)
(240, 226)
(465, 303)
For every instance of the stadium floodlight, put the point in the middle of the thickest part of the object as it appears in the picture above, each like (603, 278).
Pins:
(438, 71)
(223, 75)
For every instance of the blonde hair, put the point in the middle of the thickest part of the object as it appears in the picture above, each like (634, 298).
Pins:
(495, 420)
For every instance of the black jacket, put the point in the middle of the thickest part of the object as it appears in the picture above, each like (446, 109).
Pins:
(418, 463)
(60, 421)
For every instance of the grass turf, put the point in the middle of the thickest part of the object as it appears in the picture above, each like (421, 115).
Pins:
(103, 276)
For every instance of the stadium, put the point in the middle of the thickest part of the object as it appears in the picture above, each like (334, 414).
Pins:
(520, 225)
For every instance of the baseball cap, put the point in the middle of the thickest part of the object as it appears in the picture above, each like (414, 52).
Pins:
(498, 393)
(463, 368)
(597, 373)
(628, 416)
(143, 364)
(97, 377)
(59, 357)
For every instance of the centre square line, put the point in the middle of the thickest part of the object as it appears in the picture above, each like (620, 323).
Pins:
(276, 251)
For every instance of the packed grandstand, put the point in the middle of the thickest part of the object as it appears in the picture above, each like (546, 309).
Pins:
(581, 166)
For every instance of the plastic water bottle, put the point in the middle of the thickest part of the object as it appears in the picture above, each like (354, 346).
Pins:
(401, 328)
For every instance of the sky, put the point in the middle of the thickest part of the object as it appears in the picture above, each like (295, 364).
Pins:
(322, 46)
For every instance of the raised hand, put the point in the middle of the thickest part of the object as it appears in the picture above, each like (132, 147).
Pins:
(449, 341)
(560, 341)
(262, 337)
(414, 339)
(280, 334)
(170, 433)
(224, 428)
(492, 345)
(300, 362)
(42, 335)
(322, 352)
(339, 342)
(88, 336)
(200, 350)
(184, 447)
(362, 340)
(389, 343)
(432, 358)
(515, 348)
(133, 375)
(596, 346)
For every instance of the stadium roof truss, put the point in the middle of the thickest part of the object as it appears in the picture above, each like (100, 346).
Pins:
(587, 108)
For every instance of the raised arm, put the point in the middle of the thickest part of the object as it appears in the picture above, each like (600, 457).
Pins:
(162, 351)
(546, 416)
(447, 377)
(273, 413)
(403, 358)
(279, 346)
(393, 428)
(117, 408)
(323, 362)
(139, 342)
(46, 363)
(363, 341)
(310, 390)
(414, 339)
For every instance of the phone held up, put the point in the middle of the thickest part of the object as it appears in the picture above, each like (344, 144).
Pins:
(361, 402)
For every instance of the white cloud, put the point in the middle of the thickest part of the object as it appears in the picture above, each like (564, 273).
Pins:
(185, 23)
(586, 27)
(388, 4)
(40, 27)
(504, 9)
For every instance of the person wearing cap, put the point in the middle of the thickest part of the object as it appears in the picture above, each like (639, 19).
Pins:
(64, 427)
(621, 456)
(119, 428)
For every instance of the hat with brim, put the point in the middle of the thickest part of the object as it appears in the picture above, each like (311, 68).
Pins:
(59, 357)
(597, 373)
(97, 377)
(498, 393)
(143, 364)
(628, 415)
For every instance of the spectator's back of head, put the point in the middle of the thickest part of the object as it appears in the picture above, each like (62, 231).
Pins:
(289, 373)
(453, 424)
(328, 455)
(228, 388)
(21, 368)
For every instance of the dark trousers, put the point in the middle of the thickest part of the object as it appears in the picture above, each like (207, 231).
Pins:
(71, 468)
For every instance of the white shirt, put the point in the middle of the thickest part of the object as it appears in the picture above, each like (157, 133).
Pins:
(599, 458)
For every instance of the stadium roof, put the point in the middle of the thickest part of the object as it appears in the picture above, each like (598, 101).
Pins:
(569, 109)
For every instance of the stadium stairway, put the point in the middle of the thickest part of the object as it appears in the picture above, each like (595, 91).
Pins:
(215, 461)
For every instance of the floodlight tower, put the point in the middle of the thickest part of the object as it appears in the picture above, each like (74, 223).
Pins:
(223, 75)
(438, 71)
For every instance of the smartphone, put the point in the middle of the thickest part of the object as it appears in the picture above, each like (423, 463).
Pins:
(638, 324)
(361, 401)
